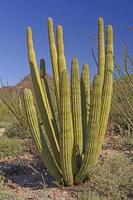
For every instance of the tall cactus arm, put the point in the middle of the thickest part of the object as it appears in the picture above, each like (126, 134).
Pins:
(42, 69)
(40, 96)
(76, 107)
(54, 60)
(85, 99)
(38, 137)
(45, 87)
(101, 50)
(66, 134)
(89, 156)
(60, 50)
(107, 86)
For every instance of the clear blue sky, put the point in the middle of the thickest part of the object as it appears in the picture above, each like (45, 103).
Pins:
(79, 20)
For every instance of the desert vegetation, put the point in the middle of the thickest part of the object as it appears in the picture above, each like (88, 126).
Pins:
(68, 137)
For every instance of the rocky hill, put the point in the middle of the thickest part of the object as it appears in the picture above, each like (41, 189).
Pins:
(26, 83)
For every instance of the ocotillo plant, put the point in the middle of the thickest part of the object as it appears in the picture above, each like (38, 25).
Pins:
(69, 149)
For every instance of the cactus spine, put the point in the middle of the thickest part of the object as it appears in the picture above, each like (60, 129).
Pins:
(83, 112)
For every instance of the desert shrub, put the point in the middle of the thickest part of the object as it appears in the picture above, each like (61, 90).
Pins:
(110, 179)
(13, 113)
(122, 103)
(12, 147)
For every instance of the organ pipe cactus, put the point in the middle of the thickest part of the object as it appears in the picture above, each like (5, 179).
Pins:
(71, 147)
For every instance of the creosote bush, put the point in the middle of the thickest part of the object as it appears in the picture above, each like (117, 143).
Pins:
(82, 113)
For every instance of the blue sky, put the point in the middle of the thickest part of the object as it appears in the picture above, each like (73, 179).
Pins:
(79, 21)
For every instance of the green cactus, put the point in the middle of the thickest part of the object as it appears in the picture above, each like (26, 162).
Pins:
(75, 143)
(85, 96)
(54, 60)
(66, 130)
(48, 96)
(89, 155)
(107, 86)
(60, 50)
(76, 113)
(76, 105)
(38, 136)
(101, 49)
(40, 95)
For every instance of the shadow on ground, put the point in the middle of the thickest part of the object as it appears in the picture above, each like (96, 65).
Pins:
(26, 174)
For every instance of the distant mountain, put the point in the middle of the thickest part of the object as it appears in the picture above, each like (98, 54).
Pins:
(27, 83)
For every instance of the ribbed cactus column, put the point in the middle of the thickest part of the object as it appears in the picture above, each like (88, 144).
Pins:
(76, 114)
(89, 156)
(101, 49)
(66, 134)
(93, 149)
(60, 50)
(107, 87)
(38, 136)
(46, 89)
(41, 97)
(54, 60)
(85, 98)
